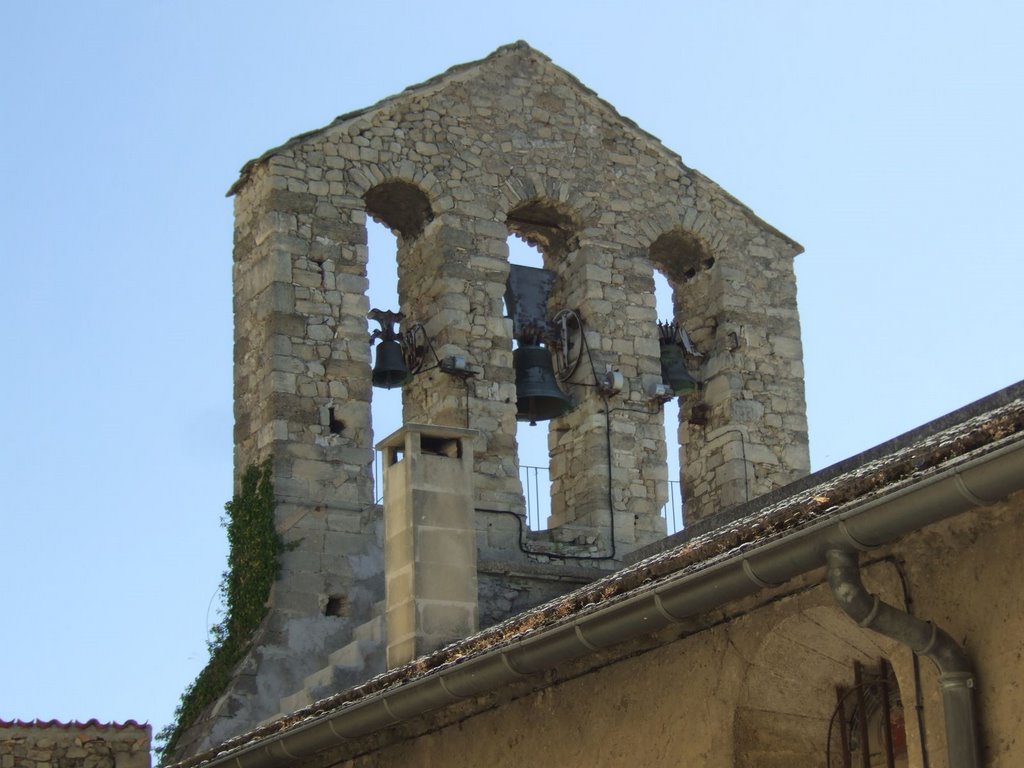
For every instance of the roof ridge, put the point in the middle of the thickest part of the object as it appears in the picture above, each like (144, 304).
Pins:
(69, 724)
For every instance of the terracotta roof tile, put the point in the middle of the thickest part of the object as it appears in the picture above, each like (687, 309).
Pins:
(72, 724)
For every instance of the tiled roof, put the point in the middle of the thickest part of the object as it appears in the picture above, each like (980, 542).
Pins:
(974, 430)
(72, 724)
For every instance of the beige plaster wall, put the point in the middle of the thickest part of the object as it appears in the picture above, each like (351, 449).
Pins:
(633, 713)
(968, 577)
(758, 687)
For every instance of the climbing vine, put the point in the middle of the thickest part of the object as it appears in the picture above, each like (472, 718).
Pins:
(254, 549)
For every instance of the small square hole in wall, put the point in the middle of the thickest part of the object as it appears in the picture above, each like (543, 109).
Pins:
(337, 605)
(335, 424)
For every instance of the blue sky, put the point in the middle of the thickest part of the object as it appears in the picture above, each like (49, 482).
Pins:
(885, 137)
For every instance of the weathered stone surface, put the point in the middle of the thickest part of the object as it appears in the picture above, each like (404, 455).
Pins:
(38, 744)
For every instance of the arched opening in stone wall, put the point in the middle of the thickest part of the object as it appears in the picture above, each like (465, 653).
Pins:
(531, 439)
(673, 509)
(541, 235)
(868, 724)
(788, 711)
(397, 214)
(678, 256)
(402, 206)
(382, 271)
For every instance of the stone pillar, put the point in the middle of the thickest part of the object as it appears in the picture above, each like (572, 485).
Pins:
(452, 280)
(302, 397)
(430, 539)
(612, 288)
(749, 433)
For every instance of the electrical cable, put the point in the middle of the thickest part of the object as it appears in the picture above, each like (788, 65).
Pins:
(608, 444)
(918, 703)
(527, 551)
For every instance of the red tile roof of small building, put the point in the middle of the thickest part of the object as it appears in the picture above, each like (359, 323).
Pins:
(72, 724)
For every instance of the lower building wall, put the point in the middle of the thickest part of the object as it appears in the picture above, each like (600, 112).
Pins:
(757, 686)
(52, 744)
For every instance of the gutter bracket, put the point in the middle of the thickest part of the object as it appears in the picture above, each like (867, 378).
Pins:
(844, 531)
(967, 493)
(749, 571)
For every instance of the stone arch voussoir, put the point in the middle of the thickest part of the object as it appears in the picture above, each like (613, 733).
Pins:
(681, 253)
(518, 190)
(400, 205)
(547, 224)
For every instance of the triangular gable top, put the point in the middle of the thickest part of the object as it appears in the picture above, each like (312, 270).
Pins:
(435, 83)
(472, 69)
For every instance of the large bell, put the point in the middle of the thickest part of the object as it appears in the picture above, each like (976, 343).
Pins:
(538, 397)
(673, 369)
(389, 369)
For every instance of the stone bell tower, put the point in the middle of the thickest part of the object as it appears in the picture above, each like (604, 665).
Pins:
(510, 144)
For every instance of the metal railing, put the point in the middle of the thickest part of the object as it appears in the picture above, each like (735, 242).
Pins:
(537, 490)
(672, 511)
(378, 477)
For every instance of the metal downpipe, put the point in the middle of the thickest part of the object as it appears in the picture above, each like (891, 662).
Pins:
(956, 675)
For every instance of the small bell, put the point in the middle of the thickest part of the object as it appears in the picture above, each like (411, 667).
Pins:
(389, 368)
(673, 370)
(673, 365)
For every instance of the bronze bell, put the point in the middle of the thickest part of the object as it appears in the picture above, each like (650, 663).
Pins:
(389, 368)
(538, 397)
(673, 369)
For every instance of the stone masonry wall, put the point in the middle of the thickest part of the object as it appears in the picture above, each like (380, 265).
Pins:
(510, 144)
(37, 744)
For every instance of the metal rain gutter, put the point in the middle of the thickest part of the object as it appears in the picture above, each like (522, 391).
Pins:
(976, 482)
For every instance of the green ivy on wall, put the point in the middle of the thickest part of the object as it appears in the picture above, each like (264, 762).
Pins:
(254, 549)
